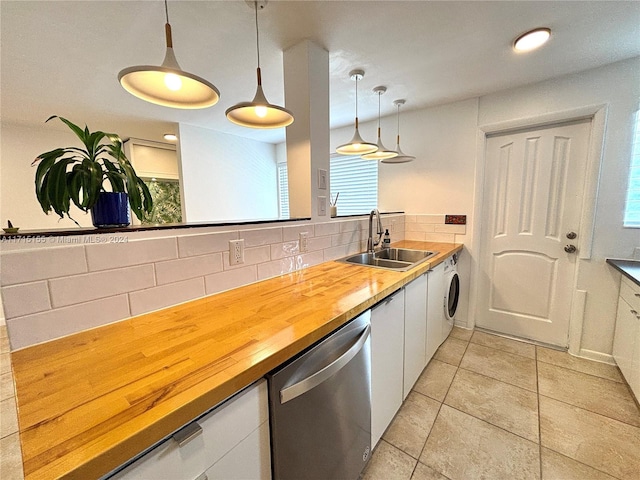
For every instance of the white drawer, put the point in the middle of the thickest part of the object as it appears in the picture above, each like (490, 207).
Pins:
(222, 429)
(630, 292)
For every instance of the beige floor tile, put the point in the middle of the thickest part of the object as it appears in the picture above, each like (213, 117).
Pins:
(507, 367)
(559, 467)
(435, 379)
(461, 333)
(422, 472)
(6, 386)
(512, 408)
(598, 395)
(389, 463)
(504, 344)
(598, 441)
(4, 345)
(11, 464)
(8, 417)
(463, 447)
(451, 351)
(564, 359)
(5, 363)
(412, 424)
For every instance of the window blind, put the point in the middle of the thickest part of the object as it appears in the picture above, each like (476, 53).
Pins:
(357, 182)
(632, 210)
(283, 191)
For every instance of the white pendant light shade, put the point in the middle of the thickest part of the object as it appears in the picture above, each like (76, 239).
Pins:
(382, 153)
(402, 157)
(356, 146)
(259, 113)
(168, 84)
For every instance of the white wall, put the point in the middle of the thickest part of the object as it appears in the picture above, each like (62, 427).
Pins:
(226, 177)
(618, 87)
(18, 203)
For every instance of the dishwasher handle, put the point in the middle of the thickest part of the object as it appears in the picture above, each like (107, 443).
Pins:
(289, 393)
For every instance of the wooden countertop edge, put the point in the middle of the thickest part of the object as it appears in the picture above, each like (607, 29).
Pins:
(149, 433)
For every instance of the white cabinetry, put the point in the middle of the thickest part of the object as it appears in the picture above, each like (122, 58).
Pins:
(233, 443)
(626, 344)
(415, 331)
(387, 359)
(435, 310)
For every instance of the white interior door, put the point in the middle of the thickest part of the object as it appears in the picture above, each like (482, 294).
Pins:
(534, 184)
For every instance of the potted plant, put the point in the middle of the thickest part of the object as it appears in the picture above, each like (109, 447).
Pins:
(79, 175)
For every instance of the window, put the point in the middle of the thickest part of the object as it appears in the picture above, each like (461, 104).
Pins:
(632, 211)
(283, 191)
(354, 178)
(357, 182)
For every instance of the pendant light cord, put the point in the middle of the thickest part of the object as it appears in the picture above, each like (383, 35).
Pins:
(257, 34)
(167, 27)
(356, 99)
(379, 93)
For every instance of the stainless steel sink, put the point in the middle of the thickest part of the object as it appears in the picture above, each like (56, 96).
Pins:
(400, 259)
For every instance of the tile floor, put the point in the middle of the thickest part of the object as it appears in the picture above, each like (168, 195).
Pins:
(487, 407)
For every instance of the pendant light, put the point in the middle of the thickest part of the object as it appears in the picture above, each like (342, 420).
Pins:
(402, 157)
(381, 153)
(357, 146)
(168, 84)
(259, 113)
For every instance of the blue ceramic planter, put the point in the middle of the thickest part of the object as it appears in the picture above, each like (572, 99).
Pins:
(111, 210)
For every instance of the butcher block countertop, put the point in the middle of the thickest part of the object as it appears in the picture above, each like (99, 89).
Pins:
(89, 402)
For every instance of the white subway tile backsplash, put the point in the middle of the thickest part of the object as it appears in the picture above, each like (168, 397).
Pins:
(351, 225)
(144, 301)
(222, 281)
(430, 219)
(318, 243)
(39, 327)
(421, 227)
(190, 267)
(25, 298)
(293, 232)
(439, 237)
(348, 237)
(343, 250)
(416, 236)
(191, 245)
(30, 265)
(114, 255)
(286, 249)
(252, 256)
(261, 236)
(106, 283)
(410, 218)
(459, 229)
(328, 228)
(278, 267)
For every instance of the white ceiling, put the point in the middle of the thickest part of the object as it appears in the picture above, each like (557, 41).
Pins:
(60, 57)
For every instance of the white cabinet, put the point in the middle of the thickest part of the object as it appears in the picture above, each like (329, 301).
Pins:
(626, 344)
(387, 361)
(415, 331)
(435, 310)
(232, 441)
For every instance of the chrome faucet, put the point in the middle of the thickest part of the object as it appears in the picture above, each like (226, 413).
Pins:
(370, 243)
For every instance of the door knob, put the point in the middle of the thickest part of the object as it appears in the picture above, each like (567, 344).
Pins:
(571, 235)
(570, 248)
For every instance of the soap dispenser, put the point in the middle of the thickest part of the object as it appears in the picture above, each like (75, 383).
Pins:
(386, 242)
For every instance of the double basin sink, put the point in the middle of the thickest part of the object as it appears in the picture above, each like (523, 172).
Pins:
(399, 259)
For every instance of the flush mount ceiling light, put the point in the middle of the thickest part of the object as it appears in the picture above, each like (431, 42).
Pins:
(381, 153)
(259, 113)
(168, 84)
(171, 137)
(531, 40)
(356, 146)
(402, 157)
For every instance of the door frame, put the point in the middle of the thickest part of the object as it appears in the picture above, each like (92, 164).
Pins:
(597, 114)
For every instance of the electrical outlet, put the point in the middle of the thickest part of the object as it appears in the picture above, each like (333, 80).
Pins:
(304, 247)
(236, 252)
(322, 206)
(322, 179)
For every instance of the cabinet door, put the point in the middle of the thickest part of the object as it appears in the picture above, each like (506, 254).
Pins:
(623, 343)
(415, 331)
(387, 359)
(435, 309)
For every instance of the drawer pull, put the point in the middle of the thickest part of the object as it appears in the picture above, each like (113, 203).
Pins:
(633, 312)
(187, 434)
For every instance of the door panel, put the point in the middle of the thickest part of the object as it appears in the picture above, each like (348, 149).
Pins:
(534, 182)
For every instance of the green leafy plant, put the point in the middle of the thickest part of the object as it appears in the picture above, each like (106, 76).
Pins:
(78, 175)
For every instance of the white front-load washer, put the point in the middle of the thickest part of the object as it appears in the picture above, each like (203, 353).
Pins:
(451, 294)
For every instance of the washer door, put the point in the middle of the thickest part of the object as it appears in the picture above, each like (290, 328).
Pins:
(452, 294)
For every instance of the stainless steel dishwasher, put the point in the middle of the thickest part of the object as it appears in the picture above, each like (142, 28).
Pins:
(320, 408)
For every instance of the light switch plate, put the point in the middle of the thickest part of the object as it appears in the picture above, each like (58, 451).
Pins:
(322, 179)
(322, 206)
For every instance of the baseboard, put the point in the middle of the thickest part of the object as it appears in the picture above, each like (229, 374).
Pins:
(596, 356)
